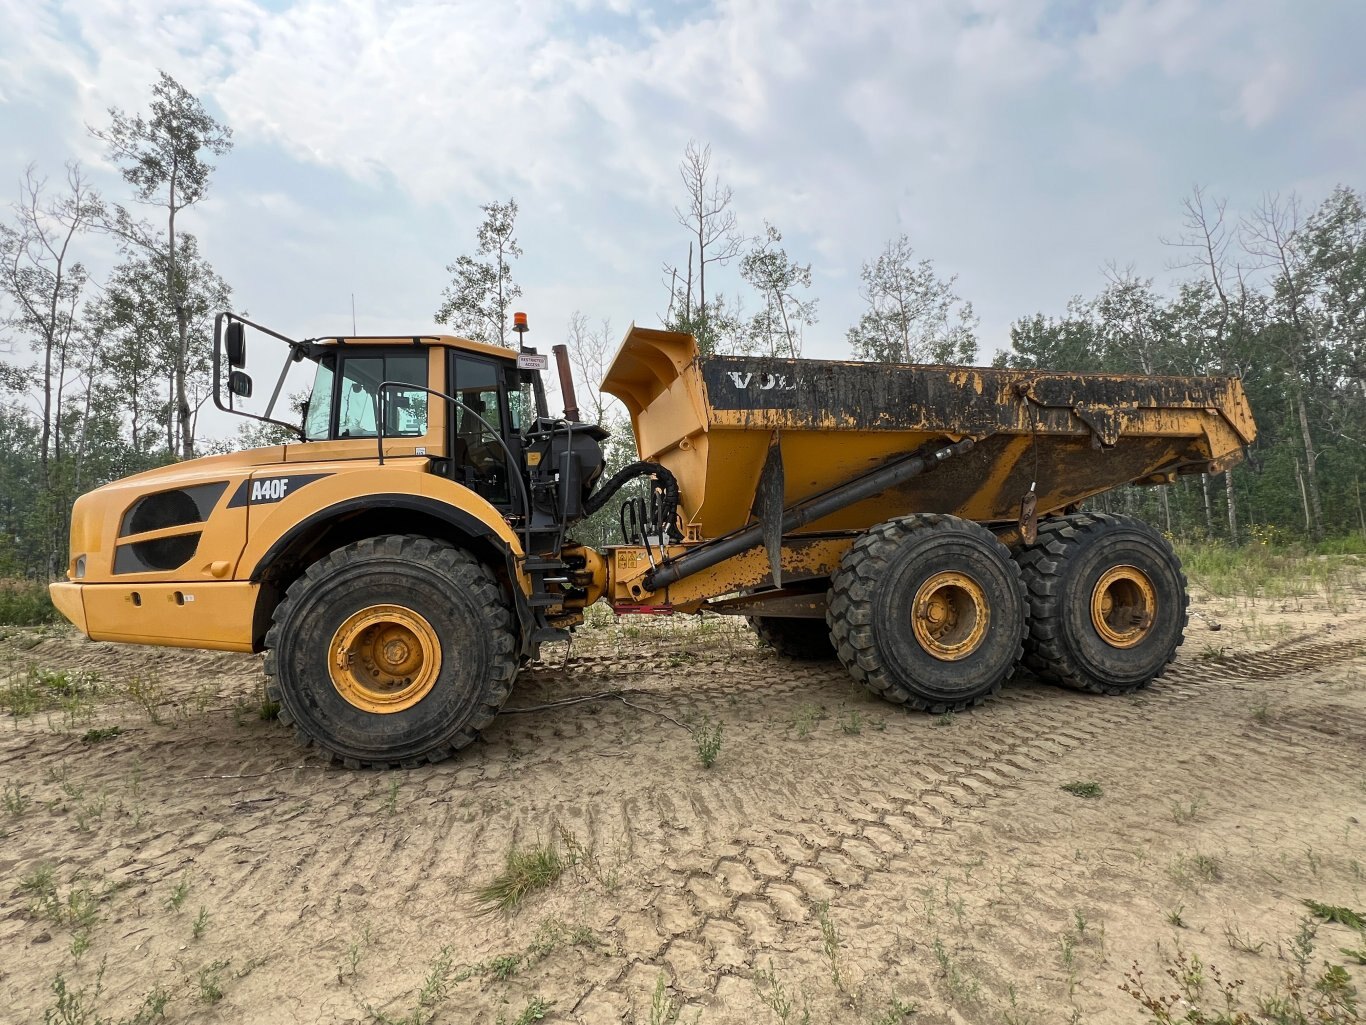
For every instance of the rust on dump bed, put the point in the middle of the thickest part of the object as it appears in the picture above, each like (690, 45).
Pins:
(713, 420)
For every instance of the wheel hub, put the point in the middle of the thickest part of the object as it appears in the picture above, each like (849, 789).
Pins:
(384, 658)
(1123, 606)
(949, 616)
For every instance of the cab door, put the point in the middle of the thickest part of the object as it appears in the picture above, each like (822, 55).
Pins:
(478, 460)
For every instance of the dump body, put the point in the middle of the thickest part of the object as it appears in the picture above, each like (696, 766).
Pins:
(712, 422)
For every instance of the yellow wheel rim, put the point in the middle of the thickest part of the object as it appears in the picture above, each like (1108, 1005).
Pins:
(384, 659)
(949, 616)
(1123, 606)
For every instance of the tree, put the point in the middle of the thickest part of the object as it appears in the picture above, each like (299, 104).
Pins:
(477, 301)
(713, 239)
(770, 272)
(1070, 342)
(162, 158)
(43, 285)
(1275, 233)
(913, 315)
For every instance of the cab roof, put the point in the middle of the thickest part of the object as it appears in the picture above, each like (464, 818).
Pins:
(418, 341)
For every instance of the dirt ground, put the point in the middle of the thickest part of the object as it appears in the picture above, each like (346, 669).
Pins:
(841, 861)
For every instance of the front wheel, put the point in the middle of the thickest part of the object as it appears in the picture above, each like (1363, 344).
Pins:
(392, 651)
(1107, 603)
(928, 611)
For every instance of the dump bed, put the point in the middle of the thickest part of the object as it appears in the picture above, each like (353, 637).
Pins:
(712, 421)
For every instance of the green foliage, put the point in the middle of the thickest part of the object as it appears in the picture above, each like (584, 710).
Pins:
(1335, 913)
(525, 870)
(707, 737)
(913, 315)
(1083, 788)
(25, 604)
(477, 301)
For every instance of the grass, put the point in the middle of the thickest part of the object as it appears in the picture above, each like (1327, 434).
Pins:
(24, 603)
(961, 986)
(1258, 570)
(526, 869)
(830, 943)
(178, 895)
(1083, 788)
(32, 690)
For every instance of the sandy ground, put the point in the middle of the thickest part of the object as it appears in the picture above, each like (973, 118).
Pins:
(841, 861)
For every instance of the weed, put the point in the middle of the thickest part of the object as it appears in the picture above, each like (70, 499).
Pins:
(852, 724)
(1083, 788)
(963, 988)
(1329, 998)
(897, 1012)
(94, 736)
(391, 803)
(1239, 940)
(438, 981)
(1174, 916)
(663, 1010)
(148, 693)
(707, 737)
(504, 967)
(1186, 812)
(806, 718)
(944, 718)
(74, 1006)
(201, 922)
(1079, 922)
(1068, 945)
(80, 943)
(1261, 713)
(1357, 954)
(16, 802)
(775, 996)
(830, 943)
(178, 895)
(535, 1010)
(1334, 913)
(525, 870)
(1207, 867)
(211, 981)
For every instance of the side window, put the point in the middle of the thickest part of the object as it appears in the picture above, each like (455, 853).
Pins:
(318, 422)
(405, 412)
(476, 451)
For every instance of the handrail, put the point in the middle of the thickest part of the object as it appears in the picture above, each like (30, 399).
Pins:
(513, 469)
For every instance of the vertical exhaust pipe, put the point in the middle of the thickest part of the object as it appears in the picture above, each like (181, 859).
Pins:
(571, 403)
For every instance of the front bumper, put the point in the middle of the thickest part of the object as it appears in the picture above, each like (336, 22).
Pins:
(217, 615)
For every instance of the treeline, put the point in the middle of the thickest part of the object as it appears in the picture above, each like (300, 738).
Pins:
(100, 379)
(1276, 296)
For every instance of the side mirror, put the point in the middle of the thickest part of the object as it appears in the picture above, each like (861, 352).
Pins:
(236, 344)
(239, 384)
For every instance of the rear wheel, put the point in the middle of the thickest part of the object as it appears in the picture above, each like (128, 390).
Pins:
(805, 639)
(928, 611)
(1107, 603)
(392, 651)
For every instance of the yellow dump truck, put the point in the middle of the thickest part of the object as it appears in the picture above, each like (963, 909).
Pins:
(415, 546)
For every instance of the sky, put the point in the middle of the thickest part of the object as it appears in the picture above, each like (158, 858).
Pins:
(1022, 145)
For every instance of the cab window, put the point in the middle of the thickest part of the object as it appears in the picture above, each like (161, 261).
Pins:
(405, 410)
(477, 454)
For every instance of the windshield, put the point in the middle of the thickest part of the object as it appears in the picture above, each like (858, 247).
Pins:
(350, 410)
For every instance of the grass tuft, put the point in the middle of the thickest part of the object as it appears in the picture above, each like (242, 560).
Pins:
(1083, 788)
(525, 870)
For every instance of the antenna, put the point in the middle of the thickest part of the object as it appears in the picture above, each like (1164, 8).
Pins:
(353, 312)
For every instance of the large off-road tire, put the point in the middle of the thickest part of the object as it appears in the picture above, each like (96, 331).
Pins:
(928, 611)
(392, 651)
(805, 639)
(1107, 603)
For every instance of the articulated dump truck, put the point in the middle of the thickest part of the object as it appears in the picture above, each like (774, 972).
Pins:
(399, 563)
